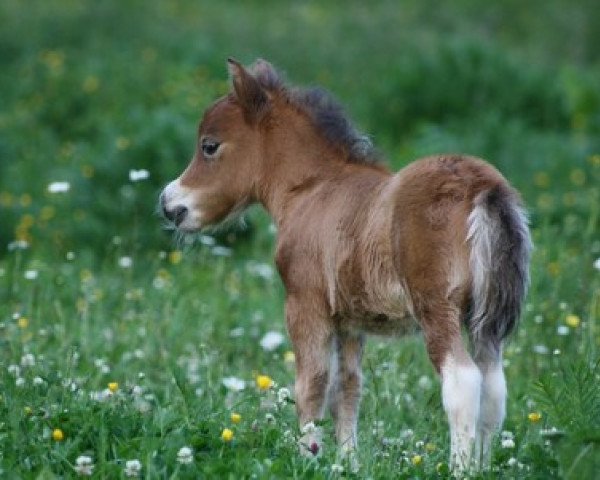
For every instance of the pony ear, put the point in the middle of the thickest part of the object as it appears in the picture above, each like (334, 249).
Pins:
(252, 96)
(266, 75)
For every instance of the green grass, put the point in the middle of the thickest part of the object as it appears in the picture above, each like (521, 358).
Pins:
(94, 91)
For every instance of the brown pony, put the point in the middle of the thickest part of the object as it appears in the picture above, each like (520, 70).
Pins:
(444, 242)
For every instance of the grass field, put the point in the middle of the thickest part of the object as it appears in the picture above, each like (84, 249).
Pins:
(119, 344)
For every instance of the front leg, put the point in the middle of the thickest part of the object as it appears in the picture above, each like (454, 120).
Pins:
(344, 397)
(310, 330)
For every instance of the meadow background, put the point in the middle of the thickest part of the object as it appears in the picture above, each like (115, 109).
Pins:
(118, 344)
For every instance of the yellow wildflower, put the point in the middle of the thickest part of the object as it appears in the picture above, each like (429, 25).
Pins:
(541, 179)
(416, 460)
(122, 143)
(572, 321)
(289, 357)
(23, 322)
(58, 435)
(175, 257)
(264, 382)
(6, 199)
(25, 200)
(553, 269)
(429, 447)
(28, 411)
(577, 177)
(236, 417)
(227, 435)
(87, 171)
(113, 386)
(90, 84)
(534, 417)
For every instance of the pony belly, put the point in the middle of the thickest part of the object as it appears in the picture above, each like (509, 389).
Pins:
(386, 326)
(384, 311)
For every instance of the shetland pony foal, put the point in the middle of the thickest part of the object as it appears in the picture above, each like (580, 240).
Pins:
(360, 250)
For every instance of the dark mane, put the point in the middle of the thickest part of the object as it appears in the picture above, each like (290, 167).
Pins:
(325, 112)
(331, 120)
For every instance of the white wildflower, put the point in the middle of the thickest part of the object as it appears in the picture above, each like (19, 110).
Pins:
(219, 251)
(142, 405)
(271, 341)
(508, 443)
(30, 274)
(511, 462)
(262, 270)
(551, 433)
(541, 349)
(336, 468)
(269, 418)
(84, 465)
(37, 381)
(137, 390)
(138, 175)
(102, 395)
(159, 283)
(125, 262)
(207, 240)
(185, 455)
(28, 360)
(14, 370)
(20, 382)
(597, 264)
(308, 428)
(59, 187)
(133, 468)
(236, 332)
(562, 330)
(18, 245)
(424, 382)
(283, 394)
(234, 383)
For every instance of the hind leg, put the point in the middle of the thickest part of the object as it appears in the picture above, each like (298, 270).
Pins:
(493, 403)
(461, 381)
(311, 335)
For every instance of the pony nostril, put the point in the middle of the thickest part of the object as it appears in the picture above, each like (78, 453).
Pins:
(177, 215)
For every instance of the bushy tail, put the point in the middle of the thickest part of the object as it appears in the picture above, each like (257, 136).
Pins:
(500, 251)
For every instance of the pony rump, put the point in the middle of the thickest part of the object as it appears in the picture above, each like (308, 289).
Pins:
(500, 252)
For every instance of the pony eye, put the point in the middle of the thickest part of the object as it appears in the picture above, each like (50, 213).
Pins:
(209, 147)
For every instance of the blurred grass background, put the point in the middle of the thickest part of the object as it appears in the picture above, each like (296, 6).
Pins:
(91, 90)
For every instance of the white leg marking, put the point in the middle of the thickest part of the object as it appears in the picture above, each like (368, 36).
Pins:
(461, 394)
(493, 410)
